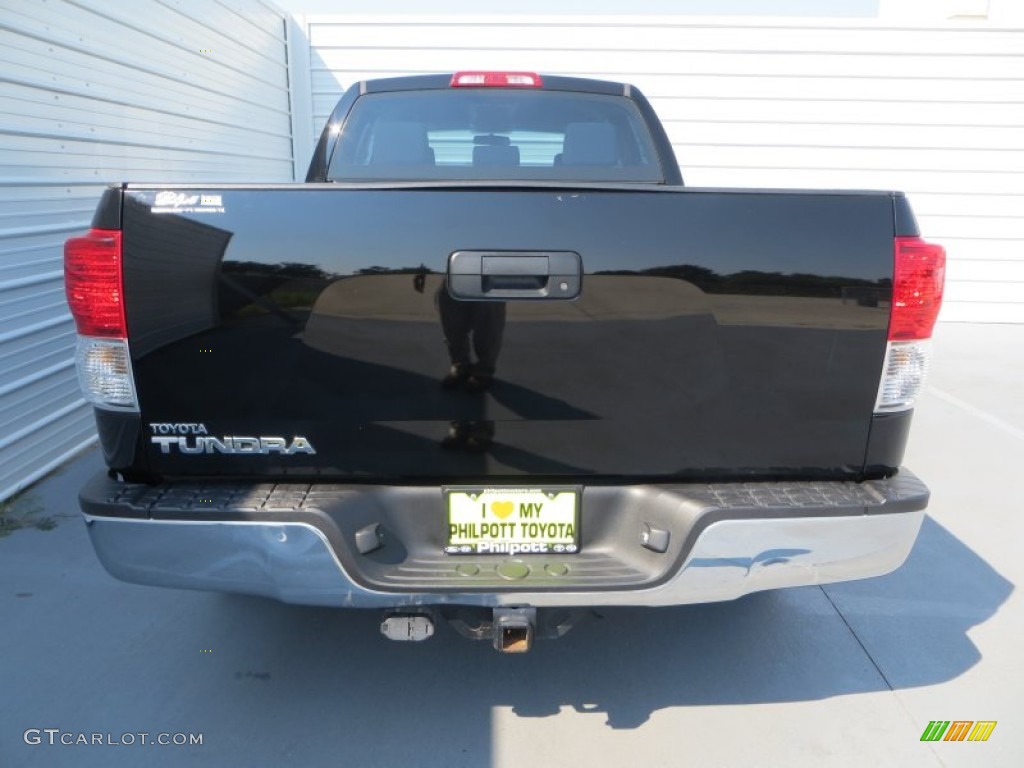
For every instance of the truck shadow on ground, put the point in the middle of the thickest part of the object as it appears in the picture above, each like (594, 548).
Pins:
(273, 684)
(623, 664)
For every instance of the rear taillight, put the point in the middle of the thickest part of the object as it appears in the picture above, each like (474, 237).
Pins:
(92, 280)
(918, 278)
(95, 291)
(496, 80)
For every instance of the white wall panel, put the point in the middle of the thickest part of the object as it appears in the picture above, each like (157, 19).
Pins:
(935, 111)
(93, 92)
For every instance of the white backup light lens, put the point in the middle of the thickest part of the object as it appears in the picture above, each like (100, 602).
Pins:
(903, 375)
(105, 373)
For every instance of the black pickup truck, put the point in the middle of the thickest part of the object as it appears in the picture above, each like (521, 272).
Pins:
(493, 358)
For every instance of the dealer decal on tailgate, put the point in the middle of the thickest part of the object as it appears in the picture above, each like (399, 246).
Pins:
(512, 521)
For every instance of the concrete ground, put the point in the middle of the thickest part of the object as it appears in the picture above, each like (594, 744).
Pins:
(846, 675)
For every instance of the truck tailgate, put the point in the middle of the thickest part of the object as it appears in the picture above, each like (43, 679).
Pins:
(715, 335)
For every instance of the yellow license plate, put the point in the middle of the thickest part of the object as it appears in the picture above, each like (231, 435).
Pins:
(513, 521)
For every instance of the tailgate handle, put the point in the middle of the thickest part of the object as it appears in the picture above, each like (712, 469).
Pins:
(511, 276)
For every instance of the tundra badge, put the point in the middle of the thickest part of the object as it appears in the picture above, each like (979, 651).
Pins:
(192, 438)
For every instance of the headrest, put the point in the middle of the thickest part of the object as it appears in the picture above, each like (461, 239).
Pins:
(496, 154)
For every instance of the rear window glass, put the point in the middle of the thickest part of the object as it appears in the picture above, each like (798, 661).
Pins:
(485, 133)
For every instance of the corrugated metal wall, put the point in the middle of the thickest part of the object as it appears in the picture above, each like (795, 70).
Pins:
(937, 112)
(93, 92)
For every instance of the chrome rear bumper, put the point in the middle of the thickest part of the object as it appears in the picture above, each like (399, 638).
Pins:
(727, 541)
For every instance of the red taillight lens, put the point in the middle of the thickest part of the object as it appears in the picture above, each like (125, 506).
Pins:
(496, 80)
(92, 279)
(918, 279)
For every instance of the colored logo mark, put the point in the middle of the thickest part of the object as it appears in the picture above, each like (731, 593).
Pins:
(958, 730)
(502, 509)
